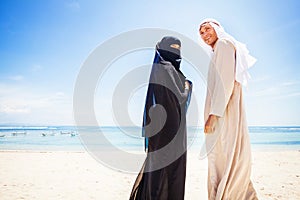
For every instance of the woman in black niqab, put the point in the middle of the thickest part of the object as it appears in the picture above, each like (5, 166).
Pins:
(162, 176)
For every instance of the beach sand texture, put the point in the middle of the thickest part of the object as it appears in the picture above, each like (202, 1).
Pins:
(76, 175)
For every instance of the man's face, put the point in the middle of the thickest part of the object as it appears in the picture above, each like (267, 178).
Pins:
(208, 34)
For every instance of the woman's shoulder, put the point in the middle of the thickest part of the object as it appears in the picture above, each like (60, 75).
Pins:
(167, 66)
(163, 69)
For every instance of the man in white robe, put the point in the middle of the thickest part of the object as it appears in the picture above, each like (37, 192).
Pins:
(227, 139)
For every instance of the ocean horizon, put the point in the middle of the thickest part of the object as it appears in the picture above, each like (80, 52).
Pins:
(128, 138)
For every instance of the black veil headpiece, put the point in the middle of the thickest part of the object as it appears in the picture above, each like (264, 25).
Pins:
(168, 49)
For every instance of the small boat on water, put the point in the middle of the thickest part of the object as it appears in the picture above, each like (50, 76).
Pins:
(71, 133)
(66, 132)
(18, 133)
(48, 134)
(2, 135)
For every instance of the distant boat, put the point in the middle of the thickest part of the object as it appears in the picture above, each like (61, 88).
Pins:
(73, 134)
(66, 132)
(2, 135)
(19, 133)
(48, 134)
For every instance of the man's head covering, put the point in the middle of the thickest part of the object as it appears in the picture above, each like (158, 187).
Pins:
(243, 59)
(169, 50)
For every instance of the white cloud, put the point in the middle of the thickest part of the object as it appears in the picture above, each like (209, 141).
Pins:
(36, 68)
(22, 105)
(16, 78)
(74, 6)
(277, 29)
(265, 92)
(284, 89)
(14, 109)
(290, 83)
(292, 94)
(259, 79)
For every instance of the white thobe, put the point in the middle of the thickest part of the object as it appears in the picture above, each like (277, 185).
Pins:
(228, 147)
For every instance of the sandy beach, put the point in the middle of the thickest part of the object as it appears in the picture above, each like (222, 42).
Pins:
(77, 175)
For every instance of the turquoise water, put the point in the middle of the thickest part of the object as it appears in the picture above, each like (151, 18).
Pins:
(128, 138)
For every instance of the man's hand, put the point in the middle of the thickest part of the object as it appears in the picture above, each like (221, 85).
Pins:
(210, 124)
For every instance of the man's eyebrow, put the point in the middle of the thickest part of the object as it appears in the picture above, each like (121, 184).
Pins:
(203, 27)
(216, 23)
(209, 22)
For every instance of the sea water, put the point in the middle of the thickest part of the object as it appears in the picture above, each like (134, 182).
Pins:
(72, 138)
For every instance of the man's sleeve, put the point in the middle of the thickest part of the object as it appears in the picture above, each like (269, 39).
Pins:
(223, 77)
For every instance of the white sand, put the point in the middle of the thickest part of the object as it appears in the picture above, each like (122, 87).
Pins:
(76, 175)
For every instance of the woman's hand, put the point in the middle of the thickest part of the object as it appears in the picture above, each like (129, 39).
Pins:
(210, 124)
(187, 85)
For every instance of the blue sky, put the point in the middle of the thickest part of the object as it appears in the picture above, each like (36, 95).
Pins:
(43, 45)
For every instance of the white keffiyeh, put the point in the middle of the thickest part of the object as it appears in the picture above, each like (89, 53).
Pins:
(243, 59)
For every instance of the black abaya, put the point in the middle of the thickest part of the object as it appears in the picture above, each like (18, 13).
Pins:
(162, 176)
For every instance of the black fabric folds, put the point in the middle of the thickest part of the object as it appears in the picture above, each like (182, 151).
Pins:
(162, 176)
